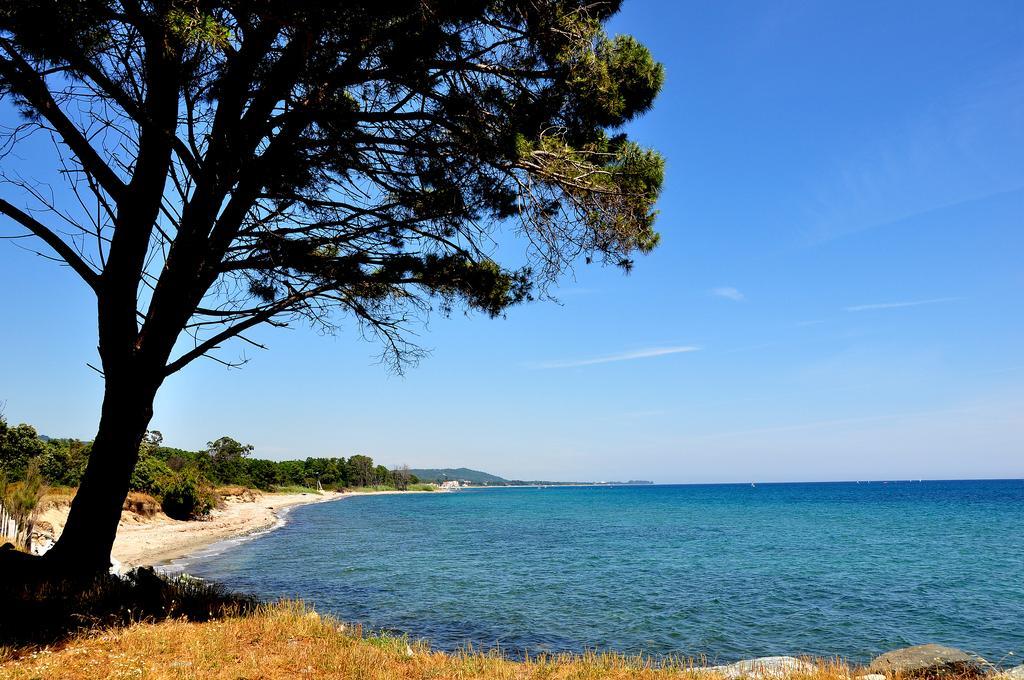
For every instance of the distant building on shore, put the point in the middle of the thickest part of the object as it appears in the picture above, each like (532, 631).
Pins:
(450, 485)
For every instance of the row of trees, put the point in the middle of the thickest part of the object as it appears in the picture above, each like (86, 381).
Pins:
(61, 462)
(184, 479)
(226, 461)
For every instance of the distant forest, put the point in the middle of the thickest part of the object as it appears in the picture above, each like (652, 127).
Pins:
(182, 479)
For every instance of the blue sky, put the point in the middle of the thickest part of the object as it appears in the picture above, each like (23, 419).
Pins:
(838, 294)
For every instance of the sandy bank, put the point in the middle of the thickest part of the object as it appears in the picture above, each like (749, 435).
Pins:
(150, 541)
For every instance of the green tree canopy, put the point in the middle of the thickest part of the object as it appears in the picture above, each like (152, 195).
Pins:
(360, 470)
(226, 462)
(19, 445)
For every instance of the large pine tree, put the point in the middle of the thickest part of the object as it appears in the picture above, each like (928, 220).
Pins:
(229, 164)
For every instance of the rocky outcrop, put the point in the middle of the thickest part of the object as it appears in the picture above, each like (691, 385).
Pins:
(762, 668)
(928, 661)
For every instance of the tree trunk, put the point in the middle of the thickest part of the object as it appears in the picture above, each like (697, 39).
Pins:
(84, 546)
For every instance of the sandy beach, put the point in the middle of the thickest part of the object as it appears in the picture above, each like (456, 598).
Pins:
(155, 540)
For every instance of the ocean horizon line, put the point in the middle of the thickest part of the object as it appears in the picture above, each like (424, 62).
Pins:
(748, 482)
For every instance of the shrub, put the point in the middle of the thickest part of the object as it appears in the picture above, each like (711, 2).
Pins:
(21, 502)
(184, 495)
(149, 471)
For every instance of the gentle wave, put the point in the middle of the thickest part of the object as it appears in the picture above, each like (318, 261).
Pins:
(182, 565)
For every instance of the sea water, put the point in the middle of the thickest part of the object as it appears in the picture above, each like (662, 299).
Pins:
(720, 571)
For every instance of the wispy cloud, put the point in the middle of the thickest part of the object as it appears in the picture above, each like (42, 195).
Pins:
(894, 305)
(648, 353)
(729, 293)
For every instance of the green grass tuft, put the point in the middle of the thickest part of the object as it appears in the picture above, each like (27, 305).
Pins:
(295, 488)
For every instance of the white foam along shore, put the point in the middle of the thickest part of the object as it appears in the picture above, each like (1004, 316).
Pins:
(160, 540)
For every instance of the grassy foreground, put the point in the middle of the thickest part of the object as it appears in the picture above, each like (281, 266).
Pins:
(287, 640)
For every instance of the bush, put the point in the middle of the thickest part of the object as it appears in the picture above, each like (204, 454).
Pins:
(149, 472)
(184, 495)
(20, 502)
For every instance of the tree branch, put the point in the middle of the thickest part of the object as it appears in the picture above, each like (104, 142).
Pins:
(31, 86)
(66, 252)
(240, 327)
(134, 109)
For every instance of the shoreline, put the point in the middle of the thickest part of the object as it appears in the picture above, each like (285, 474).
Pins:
(274, 519)
(163, 541)
(159, 541)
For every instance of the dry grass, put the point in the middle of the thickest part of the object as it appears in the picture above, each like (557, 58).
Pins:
(236, 492)
(289, 641)
(57, 497)
(295, 488)
(141, 504)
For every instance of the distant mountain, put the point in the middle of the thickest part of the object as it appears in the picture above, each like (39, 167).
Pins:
(487, 479)
(461, 474)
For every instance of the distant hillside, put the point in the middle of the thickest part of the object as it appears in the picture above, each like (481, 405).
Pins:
(461, 474)
(484, 478)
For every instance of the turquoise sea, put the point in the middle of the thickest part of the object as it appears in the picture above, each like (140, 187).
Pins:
(724, 571)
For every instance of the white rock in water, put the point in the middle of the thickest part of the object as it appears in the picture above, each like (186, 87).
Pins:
(762, 667)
